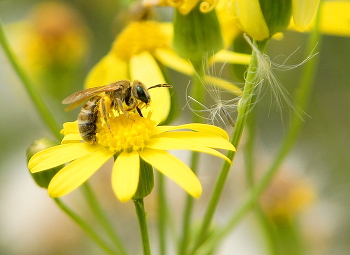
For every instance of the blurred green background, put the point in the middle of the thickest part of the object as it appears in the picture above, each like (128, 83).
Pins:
(30, 223)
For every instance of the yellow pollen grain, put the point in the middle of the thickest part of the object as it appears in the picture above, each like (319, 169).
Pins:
(124, 133)
(138, 37)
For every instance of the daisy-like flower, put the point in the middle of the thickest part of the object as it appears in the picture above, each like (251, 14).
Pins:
(129, 139)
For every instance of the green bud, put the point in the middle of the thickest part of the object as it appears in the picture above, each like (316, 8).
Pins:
(196, 34)
(146, 180)
(277, 14)
(42, 178)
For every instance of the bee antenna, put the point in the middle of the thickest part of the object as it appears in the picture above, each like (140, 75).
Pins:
(160, 85)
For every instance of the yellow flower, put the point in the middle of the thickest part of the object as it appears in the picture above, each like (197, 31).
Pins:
(128, 139)
(287, 197)
(55, 36)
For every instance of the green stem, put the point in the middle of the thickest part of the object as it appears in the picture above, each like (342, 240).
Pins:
(141, 215)
(302, 98)
(102, 218)
(88, 230)
(243, 109)
(249, 148)
(199, 94)
(32, 90)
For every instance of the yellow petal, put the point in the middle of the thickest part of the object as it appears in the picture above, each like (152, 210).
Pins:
(59, 155)
(144, 68)
(187, 6)
(109, 69)
(335, 18)
(171, 59)
(198, 138)
(166, 143)
(229, 28)
(72, 138)
(203, 128)
(304, 12)
(70, 127)
(73, 175)
(125, 176)
(226, 56)
(250, 18)
(174, 168)
(226, 85)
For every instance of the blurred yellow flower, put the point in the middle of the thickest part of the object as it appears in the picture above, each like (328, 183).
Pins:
(55, 36)
(128, 139)
(286, 197)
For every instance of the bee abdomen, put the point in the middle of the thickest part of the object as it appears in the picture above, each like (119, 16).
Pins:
(87, 119)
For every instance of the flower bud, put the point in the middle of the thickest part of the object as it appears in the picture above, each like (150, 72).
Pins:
(146, 180)
(42, 178)
(196, 34)
(262, 19)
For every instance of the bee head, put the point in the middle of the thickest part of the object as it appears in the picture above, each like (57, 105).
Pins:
(139, 91)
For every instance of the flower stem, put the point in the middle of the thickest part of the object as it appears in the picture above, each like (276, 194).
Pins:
(302, 98)
(32, 90)
(243, 109)
(141, 215)
(102, 218)
(88, 230)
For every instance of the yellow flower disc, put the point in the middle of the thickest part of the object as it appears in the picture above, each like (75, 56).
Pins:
(124, 133)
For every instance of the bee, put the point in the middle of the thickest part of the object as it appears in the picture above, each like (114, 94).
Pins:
(124, 96)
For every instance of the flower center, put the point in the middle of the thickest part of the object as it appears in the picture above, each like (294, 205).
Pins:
(138, 37)
(124, 133)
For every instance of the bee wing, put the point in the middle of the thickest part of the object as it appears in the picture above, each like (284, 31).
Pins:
(79, 97)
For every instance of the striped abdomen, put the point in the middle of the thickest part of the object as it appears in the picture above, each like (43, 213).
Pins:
(87, 119)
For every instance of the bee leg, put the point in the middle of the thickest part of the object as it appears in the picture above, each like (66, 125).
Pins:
(120, 107)
(139, 111)
(104, 112)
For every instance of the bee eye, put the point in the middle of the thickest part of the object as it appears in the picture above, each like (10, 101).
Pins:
(141, 94)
